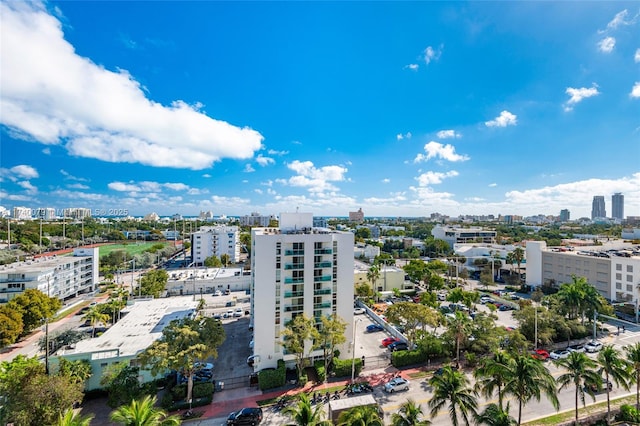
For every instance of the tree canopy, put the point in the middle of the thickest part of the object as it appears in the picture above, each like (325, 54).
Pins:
(35, 307)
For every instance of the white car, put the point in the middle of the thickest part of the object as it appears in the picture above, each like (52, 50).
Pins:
(358, 311)
(559, 354)
(237, 313)
(576, 348)
(593, 346)
(396, 384)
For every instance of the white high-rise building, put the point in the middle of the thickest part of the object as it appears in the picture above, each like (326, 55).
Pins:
(297, 269)
(46, 213)
(21, 213)
(215, 241)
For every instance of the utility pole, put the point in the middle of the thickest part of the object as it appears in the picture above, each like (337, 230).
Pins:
(46, 334)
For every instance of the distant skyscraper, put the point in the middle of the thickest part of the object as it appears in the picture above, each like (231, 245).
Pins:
(597, 207)
(565, 215)
(617, 206)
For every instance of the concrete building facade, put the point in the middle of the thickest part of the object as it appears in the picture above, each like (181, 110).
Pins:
(357, 217)
(456, 235)
(617, 206)
(598, 208)
(256, 219)
(62, 277)
(21, 213)
(297, 269)
(215, 241)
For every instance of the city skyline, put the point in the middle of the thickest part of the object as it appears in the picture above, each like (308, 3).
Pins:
(401, 109)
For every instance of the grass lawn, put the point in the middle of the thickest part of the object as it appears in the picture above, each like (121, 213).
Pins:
(131, 248)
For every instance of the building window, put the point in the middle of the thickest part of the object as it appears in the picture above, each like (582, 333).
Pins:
(629, 288)
(618, 267)
(618, 276)
(629, 268)
(618, 286)
(629, 278)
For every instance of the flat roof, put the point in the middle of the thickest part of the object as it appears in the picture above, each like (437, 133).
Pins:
(41, 264)
(139, 328)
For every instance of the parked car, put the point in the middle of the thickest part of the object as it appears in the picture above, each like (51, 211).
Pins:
(358, 311)
(606, 384)
(396, 384)
(237, 313)
(505, 308)
(217, 293)
(576, 348)
(203, 366)
(245, 416)
(251, 360)
(559, 354)
(540, 354)
(398, 346)
(372, 328)
(593, 346)
(389, 340)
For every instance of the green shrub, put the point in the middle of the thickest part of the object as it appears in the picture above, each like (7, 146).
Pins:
(167, 401)
(196, 402)
(342, 367)
(628, 413)
(321, 373)
(201, 390)
(269, 379)
(403, 358)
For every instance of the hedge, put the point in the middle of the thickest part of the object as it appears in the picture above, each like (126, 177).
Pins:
(342, 367)
(322, 374)
(269, 379)
(404, 358)
(200, 390)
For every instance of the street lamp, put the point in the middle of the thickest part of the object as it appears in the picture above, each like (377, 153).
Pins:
(353, 354)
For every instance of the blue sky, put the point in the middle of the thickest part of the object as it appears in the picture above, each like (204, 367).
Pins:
(401, 109)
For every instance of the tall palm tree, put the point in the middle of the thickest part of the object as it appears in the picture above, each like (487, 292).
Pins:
(304, 414)
(490, 376)
(452, 387)
(493, 415)
(580, 373)
(95, 316)
(518, 257)
(459, 327)
(409, 414)
(360, 416)
(527, 378)
(373, 274)
(614, 368)
(633, 358)
(73, 418)
(143, 413)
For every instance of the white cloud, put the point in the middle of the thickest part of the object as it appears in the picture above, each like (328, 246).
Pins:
(264, 161)
(400, 136)
(54, 96)
(46, 151)
(431, 54)
(503, 120)
(77, 186)
(26, 185)
(438, 150)
(316, 180)
(636, 57)
(493, 185)
(249, 169)
(274, 152)
(433, 178)
(446, 134)
(69, 176)
(621, 19)
(412, 67)
(206, 175)
(576, 95)
(607, 44)
(386, 180)
(147, 186)
(635, 91)
(24, 171)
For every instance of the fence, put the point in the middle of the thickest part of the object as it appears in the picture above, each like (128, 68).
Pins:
(227, 383)
(376, 361)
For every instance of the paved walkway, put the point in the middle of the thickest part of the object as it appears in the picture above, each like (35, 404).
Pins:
(226, 401)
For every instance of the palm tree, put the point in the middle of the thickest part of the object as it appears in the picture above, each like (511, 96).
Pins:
(459, 328)
(409, 415)
(373, 274)
(78, 371)
(493, 415)
(143, 413)
(452, 387)
(360, 416)
(304, 414)
(526, 378)
(633, 358)
(518, 257)
(490, 376)
(581, 373)
(73, 418)
(614, 368)
(95, 316)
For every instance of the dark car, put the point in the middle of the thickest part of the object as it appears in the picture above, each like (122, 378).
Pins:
(245, 416)
(605, 385)
(372, 328)
(398, 346)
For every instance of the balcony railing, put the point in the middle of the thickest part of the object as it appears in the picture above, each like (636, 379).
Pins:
(322, 278)
(289, 280)
(322, 305)
(293, 252)
(321, 291)
(293, 308)
(293, 293)
(323, 265)
(293, 266)
(323, 251)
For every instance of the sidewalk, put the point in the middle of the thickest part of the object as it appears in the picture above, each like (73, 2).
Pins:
(224, 402)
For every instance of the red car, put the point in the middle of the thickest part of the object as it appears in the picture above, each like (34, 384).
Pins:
(389, 340)
(540, 354)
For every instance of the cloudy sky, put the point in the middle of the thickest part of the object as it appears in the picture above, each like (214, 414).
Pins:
(403, 108)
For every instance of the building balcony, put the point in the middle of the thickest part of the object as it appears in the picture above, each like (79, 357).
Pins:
(293, 308)
(322, 305)
(294, 252)
(323, 265)
(321, 291)
(293, 266)
(294, 294)
(289, 280)
(322, 278)
(323, 251)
